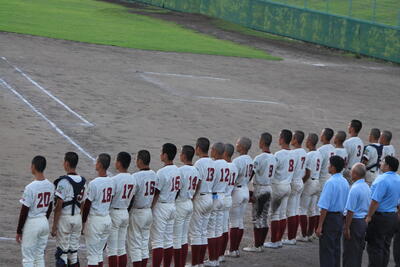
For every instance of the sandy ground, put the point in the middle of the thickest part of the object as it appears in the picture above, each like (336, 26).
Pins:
(141, 99)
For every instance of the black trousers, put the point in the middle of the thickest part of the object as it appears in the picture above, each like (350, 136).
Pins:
(396, 245)
(380, 232)
(330, 241)
(353, 249)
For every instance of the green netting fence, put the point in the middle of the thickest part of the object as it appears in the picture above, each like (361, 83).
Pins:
(352, 31)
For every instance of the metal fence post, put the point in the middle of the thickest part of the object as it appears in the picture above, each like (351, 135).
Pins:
(350, 7)
(327, 6)
(374, 11)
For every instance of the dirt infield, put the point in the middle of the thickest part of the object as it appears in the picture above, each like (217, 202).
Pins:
(57, 93)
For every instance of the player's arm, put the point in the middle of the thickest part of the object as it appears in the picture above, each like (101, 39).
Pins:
(131, 204)
(57, 214)
(196, 192)
(23, 215)
(349, 219)
(306, 175)
(155, 198)
(85, 212)
(49, 210)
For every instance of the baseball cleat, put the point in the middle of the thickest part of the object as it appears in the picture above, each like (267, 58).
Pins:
(221, 259)
(211, 263)
(290, 242)
(274, 245)
(280, 244)
(232, 254)
(303, 239)
(314, 237)
(253, 249)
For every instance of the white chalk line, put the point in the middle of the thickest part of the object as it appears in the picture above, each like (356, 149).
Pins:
(85, 121)
(52, 124)
(184, 75)
(240, 100)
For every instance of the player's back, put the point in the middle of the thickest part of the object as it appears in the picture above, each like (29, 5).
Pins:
(244, 164)
(285, 164)
(264, 168)
(124, 189)
(371, 154)
(313, 163)
(222, 175)
(37, 197)
(388, 151)
(65, 191)
(354, 147)
(206, 169)
(342, 152)
(300, 156)
(100, 193)
(189, 180)
(326, 151)
(145, 184)
(233, 172)
(168, 183)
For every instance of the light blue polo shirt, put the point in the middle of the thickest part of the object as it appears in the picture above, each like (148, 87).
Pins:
(334, 194)
(359, 199)
(386, 191)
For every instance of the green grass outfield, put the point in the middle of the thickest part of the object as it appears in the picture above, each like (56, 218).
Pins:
(111, 24)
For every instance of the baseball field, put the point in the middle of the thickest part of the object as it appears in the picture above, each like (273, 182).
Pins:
(91, 77)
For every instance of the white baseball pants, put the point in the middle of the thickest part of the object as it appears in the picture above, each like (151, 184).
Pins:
(370, 177)
(214, 227)
(296, 188)
(279, 200)
(262, 194)
(119, 227)
(34, 241)
(96, 234)
(240, 199)
(69, 230)
(184, 210)
(227, 208)
(139, 233)
(309, 198)
(163, 225)
(202, 207)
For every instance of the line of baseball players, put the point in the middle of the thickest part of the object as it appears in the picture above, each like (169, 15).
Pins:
(202, 204)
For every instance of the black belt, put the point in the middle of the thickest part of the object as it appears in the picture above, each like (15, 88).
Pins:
(384, 213)
(238, 186)
(215, 193)
(314, 179)
(203, 194)
(334, 212)
(118, 209)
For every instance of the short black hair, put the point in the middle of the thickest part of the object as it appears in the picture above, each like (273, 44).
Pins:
(104, 159)
(229, 149)
(188, 151)
(266, 138)
(39, 162)
(144, 156)
(356, 125)
(375, 133)
(392, 162)
(299, 136)
(203, 144)
(170, 150)
(313, 137)
(388, 135)
(337, 162)
(72, 158)
(328, 133)
(286, 135)
(341, 136)
(125, 159)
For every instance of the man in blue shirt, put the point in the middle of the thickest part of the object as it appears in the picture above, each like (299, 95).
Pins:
(356, 210)
(332, 203)
(382, 214)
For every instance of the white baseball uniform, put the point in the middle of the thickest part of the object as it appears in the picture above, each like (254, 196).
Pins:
(387, 151)
(69, 226)
(240, 194)
(354, 147)
(285, 166)
(264, 171)
(297, 184)
(140, 215)
(124, 186)
(342, 152)
(100, 193)
(221, 179)
(371, 156)
(168, 183)
(202, 202)
(309, 197)
(233, 172)
(327, 151)
(184, 206)
(37, 197)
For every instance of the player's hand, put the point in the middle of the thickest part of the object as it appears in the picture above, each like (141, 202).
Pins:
(252, 199)
(318, 232)
(347, 234)
(368, 219)
(18, 238)
(53, 232)
(83, 229)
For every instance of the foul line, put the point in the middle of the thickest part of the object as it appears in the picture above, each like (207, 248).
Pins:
(184, 75)
(86, 122)
(240, 100)
(52, 124)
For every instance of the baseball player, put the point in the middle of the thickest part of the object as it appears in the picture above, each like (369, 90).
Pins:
(372, 156)
(263, 171)
(215, 228)
(354, 146)
(167, 186)
(233, 172)
(140, 215)
(202, 202)
(33, 225)
(388, 149)
(96, 212)
(67, 223)
(124, 189)
(327, 150)
(184, 205)
(240, 194)
(285, 166)
(309, 197)
(340, 151)
(296, 186)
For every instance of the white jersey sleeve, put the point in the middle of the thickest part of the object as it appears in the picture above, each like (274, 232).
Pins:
(233, 172)
(264, 169)
(221, 178)
(124, 186)
(37, 197)
(354, 147)
(145, 184)
(189, 181)
(206, 169)
(100, 193)
(168, 183)
(300, 156)
(285, 164)
(313, 164)
(244, 164)
(326, 151)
